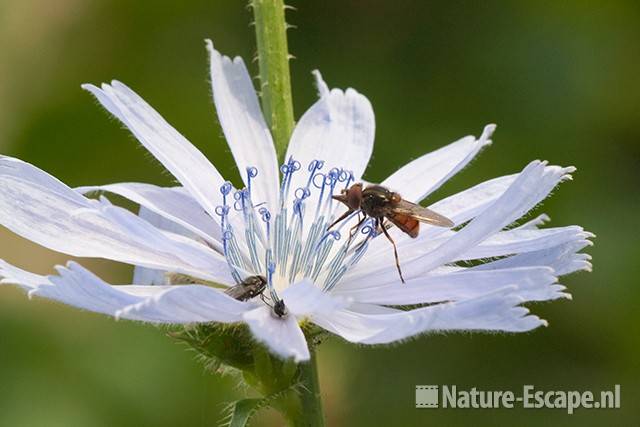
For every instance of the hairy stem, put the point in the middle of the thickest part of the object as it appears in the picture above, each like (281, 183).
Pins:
(310, 397)
(275, 80)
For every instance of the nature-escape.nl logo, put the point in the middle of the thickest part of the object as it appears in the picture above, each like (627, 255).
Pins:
(429, 396)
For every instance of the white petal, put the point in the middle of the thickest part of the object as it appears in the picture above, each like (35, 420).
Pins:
(13, 275)
(151, 276)
(356, 327)
(244, 126)
(534, 284)
(145, 290)
(534, 223)
(281, 334)
(469, 203)
(338, 129)
(372, 308)
(524, 240)
(508, 242)
(323, 88)
(172, 149)
(494, 312)
(498, 311)
(75, 286)
(78, 287)
(186, 304)
(174, 204)
(204, 261)
(564, 259)
(421, 177)
(40, 208)
(531, 186)
(304, 298)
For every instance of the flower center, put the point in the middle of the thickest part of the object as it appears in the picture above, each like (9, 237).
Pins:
(294, 243)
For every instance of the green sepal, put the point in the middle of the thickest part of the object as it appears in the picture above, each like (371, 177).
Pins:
(243, 410)
(228, 344)
(231, 348)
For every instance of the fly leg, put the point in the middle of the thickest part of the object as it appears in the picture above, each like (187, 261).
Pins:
(379, 223)
(382, 224)
(354, 229)
(264, 300)
(343, 216)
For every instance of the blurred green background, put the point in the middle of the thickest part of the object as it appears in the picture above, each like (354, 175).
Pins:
(561, 79)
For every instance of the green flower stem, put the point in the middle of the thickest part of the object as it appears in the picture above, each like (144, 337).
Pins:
(295, 385)
(310, 397)
(273, 59)
(288, 387)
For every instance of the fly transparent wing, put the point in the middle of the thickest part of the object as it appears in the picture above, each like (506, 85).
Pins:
(422, 214)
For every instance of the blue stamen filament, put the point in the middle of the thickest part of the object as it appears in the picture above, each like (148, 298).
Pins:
(252, 172)
(277, 243)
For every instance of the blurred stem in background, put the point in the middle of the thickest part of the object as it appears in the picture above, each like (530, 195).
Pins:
(275, 81)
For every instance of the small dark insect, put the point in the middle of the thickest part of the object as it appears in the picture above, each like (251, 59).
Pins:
(380, 203)
(250, 287)
(279, 308)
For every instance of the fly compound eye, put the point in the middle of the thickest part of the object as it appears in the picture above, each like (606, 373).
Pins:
(395, 198)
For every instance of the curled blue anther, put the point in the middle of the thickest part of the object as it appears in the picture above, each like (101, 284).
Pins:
(266, 218)
(315, 165)
(369, 227)
(350, 179)
(302, 193)
(331, 179)
(241, 197)
(333, 234)
(287, 170)
(290, 167)
(346, 177)
(265, 214)
(227, 235)
(226, 188)
(252, 172)
(222, 211)
(319, 183)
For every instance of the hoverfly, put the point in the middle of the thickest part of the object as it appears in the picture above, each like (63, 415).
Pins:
(380, 203)
(250, 287)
